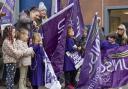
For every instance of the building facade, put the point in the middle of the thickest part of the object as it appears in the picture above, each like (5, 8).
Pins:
(112, 12)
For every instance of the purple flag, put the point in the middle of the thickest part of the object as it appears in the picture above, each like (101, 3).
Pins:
(90, 71)
(77, 19)
(77, 23)
(8, 8)
(51, 81)
(114, 70)
(54, 33)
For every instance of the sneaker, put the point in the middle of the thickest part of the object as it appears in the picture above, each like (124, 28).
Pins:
(71, 87)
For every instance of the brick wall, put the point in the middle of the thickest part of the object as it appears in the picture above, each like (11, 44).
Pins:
(89, 7)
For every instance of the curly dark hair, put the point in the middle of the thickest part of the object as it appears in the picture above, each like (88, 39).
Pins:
(7, 33)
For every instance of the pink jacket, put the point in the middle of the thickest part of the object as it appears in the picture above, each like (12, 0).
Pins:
(10, 53)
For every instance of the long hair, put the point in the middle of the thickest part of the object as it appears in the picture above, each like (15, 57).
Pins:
(124, 35)
(124, 28)
(36, 36)
(7, 33)
(20, 32)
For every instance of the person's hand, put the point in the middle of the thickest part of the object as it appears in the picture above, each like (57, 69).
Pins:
(35, 25)
(2, 14)
(99, 21)
(41, 43)
(79, 48)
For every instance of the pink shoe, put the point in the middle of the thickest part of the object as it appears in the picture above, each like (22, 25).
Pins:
(71, 86)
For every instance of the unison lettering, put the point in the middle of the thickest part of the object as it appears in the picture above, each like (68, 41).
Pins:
(114, 65)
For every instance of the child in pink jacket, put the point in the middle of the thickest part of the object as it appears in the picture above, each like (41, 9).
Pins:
(11, 54)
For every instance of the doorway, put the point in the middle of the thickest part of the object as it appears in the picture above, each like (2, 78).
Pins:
(115, 15)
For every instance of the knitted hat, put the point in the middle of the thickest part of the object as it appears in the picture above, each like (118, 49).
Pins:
(42, 6)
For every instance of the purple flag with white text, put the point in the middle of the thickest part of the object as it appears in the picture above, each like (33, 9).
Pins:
(77, 23)
(51, 81)
(8, 8)
(77, 19)
(114, 69)
(90, 71)
(54, 33)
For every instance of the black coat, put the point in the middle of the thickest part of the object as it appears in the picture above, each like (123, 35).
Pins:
(120, 40)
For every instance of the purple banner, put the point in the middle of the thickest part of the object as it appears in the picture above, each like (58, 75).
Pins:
(54, 33)
(77, 19)
(114, 70)
(8, 8)
(51, 81)
(90, 71)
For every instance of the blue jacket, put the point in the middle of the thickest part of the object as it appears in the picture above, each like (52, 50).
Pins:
(68, 62)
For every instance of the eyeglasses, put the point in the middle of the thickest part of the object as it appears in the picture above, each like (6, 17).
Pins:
(120, 29)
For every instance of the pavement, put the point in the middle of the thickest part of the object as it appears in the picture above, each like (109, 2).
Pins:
(2, 87)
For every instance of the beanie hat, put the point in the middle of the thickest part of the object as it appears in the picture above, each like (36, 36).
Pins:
(42, 6)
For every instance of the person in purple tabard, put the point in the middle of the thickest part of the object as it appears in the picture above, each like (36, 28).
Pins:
(69, 67)
(37, 67)
(109, 43)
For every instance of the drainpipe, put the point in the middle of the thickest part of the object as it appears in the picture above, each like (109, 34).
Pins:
(102, 13)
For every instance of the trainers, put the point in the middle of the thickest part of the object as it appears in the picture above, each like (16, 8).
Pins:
(71, 87)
